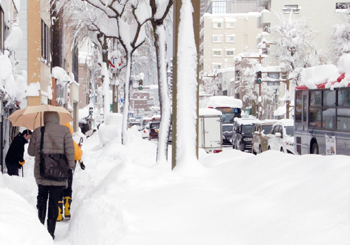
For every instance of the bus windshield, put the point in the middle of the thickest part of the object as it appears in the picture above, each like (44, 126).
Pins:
(227, 117)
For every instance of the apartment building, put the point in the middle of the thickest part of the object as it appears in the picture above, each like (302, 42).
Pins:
(223, 36)
(321, 17)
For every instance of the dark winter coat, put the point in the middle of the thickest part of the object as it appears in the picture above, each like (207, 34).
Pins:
(57, 140)
(15, 153)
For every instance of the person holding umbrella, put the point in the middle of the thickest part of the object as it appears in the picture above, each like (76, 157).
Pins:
(57, 139)
(14, 157)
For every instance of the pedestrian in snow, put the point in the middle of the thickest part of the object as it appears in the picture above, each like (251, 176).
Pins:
(67, 192)
(14, 157)
(57, 140)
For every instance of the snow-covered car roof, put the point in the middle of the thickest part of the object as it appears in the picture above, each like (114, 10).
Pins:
(209, 112)
(246, 121)
(285, 122)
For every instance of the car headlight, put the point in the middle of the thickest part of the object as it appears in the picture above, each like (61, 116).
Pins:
(247, 139)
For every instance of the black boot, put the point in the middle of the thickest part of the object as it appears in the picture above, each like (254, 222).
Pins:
(51, 226)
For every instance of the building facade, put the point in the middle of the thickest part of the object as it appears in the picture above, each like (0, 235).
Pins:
(222, 37)
(321, 16)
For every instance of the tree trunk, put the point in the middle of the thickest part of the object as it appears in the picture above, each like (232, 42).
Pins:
(126, 100)
(164, 100)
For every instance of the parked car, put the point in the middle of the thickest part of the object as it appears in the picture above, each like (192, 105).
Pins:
(281, 137)
(137, 124)
(242, 134)
(227, 134)
(260, 135)
(153, 130)
(145, 132)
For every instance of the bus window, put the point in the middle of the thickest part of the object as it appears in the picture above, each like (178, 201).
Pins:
(329, 98)
(305, 106)
(343, 119)
(328, 116)
(315, 98)
(299, 106)
(315, 117)
(344, 97)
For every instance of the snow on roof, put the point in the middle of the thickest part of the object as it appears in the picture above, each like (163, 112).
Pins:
(60, 74)
(14, 38)
(217, 20)
(209, 112)
(220, 101)
(310, 77)
(280, 111)
(228, 19)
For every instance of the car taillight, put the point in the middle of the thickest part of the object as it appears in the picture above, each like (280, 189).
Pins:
(217, 151)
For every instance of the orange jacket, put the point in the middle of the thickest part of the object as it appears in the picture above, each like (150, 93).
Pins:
(78, 153)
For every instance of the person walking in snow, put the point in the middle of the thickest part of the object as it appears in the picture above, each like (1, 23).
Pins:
(57, 140)
(14, 157)
(66, 194)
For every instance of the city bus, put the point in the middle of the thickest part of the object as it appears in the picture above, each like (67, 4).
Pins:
(322, 120)
(229, 106)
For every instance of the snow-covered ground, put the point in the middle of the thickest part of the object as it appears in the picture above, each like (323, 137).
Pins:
(123, 197)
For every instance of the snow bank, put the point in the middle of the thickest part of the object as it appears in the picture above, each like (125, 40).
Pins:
(220, 101)
(122, 197)
(19, 223)
(111, 130)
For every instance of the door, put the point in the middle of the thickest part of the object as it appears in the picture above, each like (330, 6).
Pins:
(212, 132)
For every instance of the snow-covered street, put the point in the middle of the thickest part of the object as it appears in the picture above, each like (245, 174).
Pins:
(233, 198)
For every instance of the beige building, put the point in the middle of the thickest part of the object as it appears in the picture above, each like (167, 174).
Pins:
(38, 48)
(223, 36)
(321, 17)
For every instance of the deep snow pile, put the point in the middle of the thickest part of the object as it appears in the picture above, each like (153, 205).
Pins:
(239, 198)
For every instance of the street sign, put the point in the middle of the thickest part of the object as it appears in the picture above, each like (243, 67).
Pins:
(115, 62)
(122, 100)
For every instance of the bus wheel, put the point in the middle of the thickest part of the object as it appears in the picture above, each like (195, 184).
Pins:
(269, 148)
(314, 148)
(282, 149)
(260, 151)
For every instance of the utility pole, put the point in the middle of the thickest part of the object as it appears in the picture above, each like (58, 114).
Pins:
(285, 76)
(259, 82)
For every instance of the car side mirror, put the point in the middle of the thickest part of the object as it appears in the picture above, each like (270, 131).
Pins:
(278, 135)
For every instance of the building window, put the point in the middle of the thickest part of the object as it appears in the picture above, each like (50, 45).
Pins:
(216, 52)
(216, 66)
(289, 8)
(230, 25)
(230, 39)
(45, 43)
(2, 32)
(217, 39)
(342, 5)
(217, 25)
(218, 7)
(230, 52)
